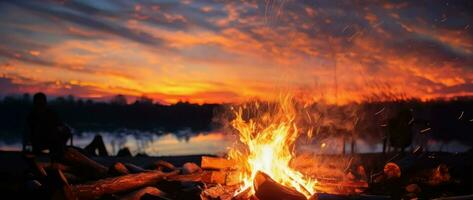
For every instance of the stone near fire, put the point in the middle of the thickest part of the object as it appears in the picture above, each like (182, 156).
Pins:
(392, 170)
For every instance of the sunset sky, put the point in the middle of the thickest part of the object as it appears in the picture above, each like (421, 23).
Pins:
(226, 51)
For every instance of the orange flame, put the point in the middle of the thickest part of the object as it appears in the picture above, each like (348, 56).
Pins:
(267, 132)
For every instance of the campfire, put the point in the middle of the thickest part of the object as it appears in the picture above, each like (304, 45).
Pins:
(267, 134)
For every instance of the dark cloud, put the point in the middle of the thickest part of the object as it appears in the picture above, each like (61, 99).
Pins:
(461, 88)
(89, 20)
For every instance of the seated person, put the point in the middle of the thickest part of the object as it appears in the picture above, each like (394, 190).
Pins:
(47, 132)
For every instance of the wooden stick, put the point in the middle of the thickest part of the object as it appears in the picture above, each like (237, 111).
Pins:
(119, 184)
(216, 163)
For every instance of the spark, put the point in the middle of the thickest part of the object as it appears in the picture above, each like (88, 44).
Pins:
(425, 130)
(461, 115)
(380, 111)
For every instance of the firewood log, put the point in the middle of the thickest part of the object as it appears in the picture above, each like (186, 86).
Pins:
(137, 195)
(186, 177)
(221, 177)
(119, 184)
(216, 163)
(84, 165)
(162, 165)
(244, 195)
(59, 186)
(118, 169)
(268, 189)
(133, 168)
(324, 196)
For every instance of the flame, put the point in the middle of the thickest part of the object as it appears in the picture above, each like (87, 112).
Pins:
(267, 132)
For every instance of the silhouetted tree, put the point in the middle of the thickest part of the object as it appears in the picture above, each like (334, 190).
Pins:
(399, 129)
(119, 100)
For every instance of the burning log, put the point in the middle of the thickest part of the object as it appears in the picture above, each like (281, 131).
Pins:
(268, 189)
(221, 177)
(216, 163)
(245, 195)
(118, 184)
(220, 192)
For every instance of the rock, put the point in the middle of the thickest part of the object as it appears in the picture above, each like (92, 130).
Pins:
(413, 188)
(124, 152)
(392, 170)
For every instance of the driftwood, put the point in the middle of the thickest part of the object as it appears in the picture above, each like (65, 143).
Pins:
(216, 163)
(268, 189)
(118, 184)
(84, 165)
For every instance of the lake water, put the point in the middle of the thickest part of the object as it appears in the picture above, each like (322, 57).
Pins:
(180, 143)
(216, 143)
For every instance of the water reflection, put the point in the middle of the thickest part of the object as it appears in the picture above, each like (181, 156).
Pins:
(187, 142)
(162, 144)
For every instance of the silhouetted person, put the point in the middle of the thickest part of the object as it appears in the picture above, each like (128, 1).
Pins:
(45, 129)
(96, 147)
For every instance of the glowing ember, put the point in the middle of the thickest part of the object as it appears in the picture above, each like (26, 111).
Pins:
(268, 132)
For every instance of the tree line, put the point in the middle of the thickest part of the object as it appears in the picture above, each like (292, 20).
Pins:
(81, 115)
(395, 123)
